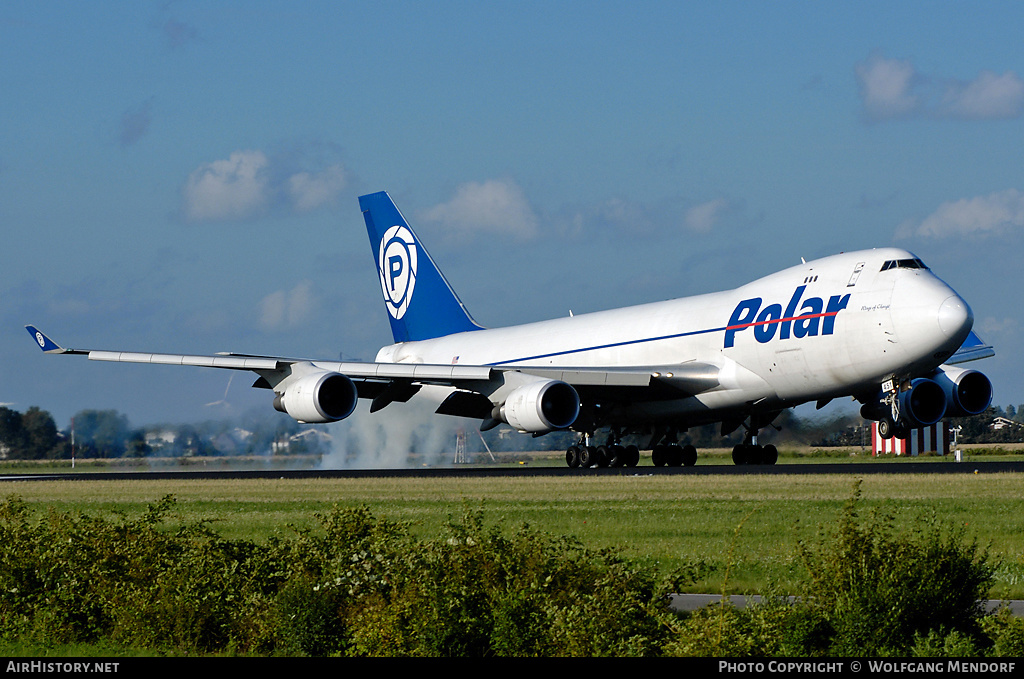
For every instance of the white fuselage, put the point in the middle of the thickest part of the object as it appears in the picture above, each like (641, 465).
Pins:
(831, 327)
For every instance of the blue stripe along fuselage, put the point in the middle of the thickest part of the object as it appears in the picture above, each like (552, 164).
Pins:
(744, 316)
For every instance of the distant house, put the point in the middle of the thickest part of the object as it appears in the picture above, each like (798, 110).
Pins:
(306, 440)
(1004, 423)
(160, 439)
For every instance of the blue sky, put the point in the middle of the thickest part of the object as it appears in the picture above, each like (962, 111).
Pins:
(182, 176)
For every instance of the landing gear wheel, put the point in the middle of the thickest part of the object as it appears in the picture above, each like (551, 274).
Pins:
(616, 456)
(632, 456)
(746, 453)
(572, 457)
(588, 456)
(689, 456)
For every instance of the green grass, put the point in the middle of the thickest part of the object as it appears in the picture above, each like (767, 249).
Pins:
(664, 521)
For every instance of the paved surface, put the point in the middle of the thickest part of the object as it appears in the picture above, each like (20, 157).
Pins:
(901, 466)
(691, 602)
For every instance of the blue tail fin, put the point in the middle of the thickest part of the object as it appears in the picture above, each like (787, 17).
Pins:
(421, 305)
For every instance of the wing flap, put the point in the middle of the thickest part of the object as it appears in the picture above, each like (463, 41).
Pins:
(689, 378)
(584, 377)
(230, 362)
(423, 372)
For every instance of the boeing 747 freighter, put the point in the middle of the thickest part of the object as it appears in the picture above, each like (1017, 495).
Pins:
(875, 325)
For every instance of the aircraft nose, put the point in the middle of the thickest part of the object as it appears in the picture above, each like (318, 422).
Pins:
(955, 317)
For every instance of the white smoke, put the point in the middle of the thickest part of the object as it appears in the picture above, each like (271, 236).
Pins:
(402, 435)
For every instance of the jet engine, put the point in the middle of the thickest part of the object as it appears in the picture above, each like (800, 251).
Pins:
(318, 397)
(924, 403)
(541, 406)
(969, 392)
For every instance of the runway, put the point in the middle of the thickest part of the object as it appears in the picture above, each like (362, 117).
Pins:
(939, 466)
(692, 602)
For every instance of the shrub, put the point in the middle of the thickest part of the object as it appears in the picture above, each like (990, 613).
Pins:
(479, 592)
(359, 585)
(873, 591)
(356, 586)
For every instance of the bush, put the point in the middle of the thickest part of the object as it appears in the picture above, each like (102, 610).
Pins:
(358, 586)
(870, 591)
(362, 586)
(873, 591)
(479, 592)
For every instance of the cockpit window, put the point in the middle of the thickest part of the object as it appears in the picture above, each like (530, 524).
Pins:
(904, 264)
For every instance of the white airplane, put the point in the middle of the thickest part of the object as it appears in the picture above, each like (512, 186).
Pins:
(876, 325)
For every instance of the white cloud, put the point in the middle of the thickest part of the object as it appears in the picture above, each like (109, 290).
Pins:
(494, 206)
(970, 216)
(885, 87)
(248, 184)
(991, 326)
(310, 190)
(989, 96)
(893, 89)
(287, 308)
(702, 218)
(235, 188)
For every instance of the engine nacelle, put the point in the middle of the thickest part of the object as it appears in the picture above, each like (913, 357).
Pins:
(924, 403)
(318, 397)
(541, 406)
(969, 392)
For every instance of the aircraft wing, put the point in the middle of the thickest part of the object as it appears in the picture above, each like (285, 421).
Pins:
(389, 382)
(972, 349)
(441, 374)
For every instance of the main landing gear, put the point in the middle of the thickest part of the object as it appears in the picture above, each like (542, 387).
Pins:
(613, 455)
(674, 455)
(749, 452)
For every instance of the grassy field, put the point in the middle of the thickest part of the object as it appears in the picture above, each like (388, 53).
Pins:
(750, 523)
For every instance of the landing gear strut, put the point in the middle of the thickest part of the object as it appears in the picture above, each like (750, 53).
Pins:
(890, 424)
(749, 452)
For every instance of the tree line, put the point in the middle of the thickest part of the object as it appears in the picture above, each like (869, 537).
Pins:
(34, 435)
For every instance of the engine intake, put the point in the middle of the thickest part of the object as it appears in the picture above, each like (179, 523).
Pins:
(969, 392)
(541, 406)
(318, 398)
(924, 403)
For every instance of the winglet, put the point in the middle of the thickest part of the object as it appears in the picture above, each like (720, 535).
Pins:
(44, 342)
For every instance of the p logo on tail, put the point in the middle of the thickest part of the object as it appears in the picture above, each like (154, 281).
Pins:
(421, 304)
(397, 263)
